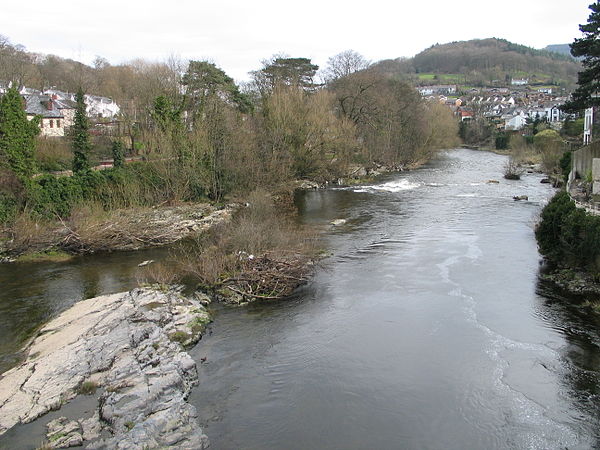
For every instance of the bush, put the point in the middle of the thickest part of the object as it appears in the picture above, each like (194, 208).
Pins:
(565, 165)
(8, 207)
(261, 253)
(53, 154)
(51, 196)
(502, 141)
(567, 235)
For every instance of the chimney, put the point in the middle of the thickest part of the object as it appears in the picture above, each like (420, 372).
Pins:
(54, 97)
(50, 104)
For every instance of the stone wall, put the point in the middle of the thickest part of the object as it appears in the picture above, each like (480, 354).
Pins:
(583, 160)
(596, 176)
(57, 128)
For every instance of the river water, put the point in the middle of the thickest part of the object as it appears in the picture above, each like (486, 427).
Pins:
(427, 328)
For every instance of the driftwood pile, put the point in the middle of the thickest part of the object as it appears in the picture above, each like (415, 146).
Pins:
(269, 276)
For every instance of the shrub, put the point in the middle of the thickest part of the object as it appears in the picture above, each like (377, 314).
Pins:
(568, 235)
(261, 253)
(53, 154)
(502, 141)
(88, 388)
(565, 165)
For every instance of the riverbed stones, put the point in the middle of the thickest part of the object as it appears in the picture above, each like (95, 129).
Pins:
(131, 345)
(64, 433)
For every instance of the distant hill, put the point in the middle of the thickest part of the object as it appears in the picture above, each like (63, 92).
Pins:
(485, 62)
(564, 49)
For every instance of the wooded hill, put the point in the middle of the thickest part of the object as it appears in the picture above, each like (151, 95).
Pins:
(564, 49)
(485, 62)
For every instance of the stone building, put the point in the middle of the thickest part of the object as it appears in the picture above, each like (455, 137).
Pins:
(56, 115)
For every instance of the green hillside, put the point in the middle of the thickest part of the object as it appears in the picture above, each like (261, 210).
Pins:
(564, 49)
(485, 62)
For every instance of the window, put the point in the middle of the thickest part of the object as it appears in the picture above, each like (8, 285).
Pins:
(51, 123)
(57, 123)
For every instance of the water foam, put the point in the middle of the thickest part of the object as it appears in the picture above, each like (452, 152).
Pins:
(527, 413)
(390, 186)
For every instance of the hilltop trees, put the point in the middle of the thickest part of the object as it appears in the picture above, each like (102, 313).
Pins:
(588, 47)
(284, 71)
(396, 126)
(344, 64)
(204, 81)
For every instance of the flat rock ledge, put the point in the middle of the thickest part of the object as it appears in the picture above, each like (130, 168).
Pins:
(129, 346)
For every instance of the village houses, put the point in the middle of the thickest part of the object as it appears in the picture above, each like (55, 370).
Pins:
(56, 108)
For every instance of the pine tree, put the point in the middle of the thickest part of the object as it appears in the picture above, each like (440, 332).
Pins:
(588, 47)
(17, 136)
(118, 154)
(80, 137)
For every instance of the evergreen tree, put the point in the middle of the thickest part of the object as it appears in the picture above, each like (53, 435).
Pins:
(588, 47)
(298, 72)
(165, 115)
(118, 154)
(203, 80)
(80, 137)
(17, 136)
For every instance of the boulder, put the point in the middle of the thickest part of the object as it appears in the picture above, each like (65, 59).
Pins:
(131, 344)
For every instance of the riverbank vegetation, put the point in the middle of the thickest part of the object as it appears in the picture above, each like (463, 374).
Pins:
(261, 253)
(569, 238)
(568, 235)
(196, 136)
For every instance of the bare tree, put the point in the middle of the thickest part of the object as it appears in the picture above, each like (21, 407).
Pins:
(344, 64)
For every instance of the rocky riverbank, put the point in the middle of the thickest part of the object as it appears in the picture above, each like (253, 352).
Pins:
(127, 350)
(576, 282)
(121, 230)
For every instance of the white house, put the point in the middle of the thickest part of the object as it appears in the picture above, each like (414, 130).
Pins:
(554, 113)
(440, 89)
(95, 106)
(515, 121)
(104, 107)
(519, 81)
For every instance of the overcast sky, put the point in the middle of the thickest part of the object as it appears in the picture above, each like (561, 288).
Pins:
(238, 34)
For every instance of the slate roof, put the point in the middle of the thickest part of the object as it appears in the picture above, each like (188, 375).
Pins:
(65, 103)
(38, 105)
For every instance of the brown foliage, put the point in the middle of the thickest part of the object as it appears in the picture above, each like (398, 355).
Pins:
(30, 234)
(259, 254)
(394, 124)
(53, 153)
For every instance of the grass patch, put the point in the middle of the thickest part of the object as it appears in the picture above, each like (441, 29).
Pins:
(594, 305)
(129, 425)
(88, 388)
(55, 437)
(198, 324)
(45, 256)
(180, 337)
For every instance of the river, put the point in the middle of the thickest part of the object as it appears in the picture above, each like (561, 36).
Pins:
(428, 327)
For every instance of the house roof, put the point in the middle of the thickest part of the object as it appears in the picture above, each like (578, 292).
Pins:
(37, 105)
(65, 103)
